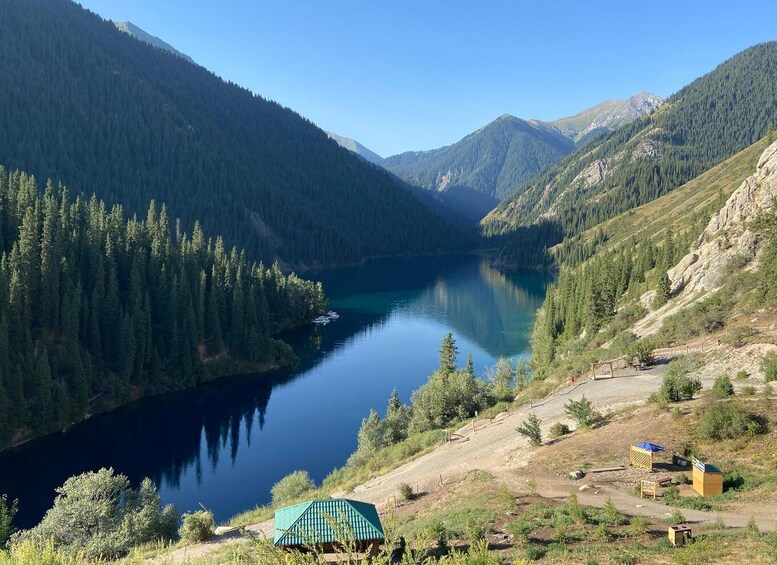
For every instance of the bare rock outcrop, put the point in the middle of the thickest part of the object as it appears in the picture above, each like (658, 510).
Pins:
(727, 242)
(592, 175)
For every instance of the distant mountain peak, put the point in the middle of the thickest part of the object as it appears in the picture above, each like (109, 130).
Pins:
(355, 147)
(131, 29)
(607, 116)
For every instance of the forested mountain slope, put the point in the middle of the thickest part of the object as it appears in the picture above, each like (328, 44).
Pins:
(473, 174)
(709, 120)
(490, 161)
(97, 309)
(620, 272)
(91, 106)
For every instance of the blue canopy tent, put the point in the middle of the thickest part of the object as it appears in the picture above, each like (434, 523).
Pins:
(641, 454)
(647, 446)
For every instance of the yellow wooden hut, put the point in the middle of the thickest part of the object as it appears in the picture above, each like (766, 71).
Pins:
(707, 479)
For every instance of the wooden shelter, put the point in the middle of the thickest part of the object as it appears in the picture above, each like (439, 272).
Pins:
(329, 525)
(707, 479)
(641, 455)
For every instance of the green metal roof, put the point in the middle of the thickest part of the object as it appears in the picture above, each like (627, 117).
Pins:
(326, 521)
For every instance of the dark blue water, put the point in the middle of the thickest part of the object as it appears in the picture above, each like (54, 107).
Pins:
(226, 443)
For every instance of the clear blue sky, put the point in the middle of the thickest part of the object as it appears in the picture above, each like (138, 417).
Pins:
(406, 75)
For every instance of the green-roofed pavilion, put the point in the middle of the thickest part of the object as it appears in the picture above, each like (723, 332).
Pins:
(327, 523)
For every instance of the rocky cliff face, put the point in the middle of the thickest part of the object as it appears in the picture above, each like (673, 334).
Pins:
(728, 242)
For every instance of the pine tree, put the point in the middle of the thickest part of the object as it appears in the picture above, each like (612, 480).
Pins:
(448, 353)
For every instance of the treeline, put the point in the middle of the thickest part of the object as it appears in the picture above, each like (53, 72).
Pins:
(451, 394)
(709, 120)
(586, 298)
(92, 107)
(97, 309)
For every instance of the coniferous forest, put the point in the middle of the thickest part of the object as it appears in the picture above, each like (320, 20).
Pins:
(104, 113)
(97, 309)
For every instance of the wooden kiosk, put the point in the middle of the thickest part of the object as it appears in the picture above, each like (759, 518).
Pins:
(707, 479)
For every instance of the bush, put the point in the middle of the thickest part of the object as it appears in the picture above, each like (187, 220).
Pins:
(737, 337)
(7, 512)
(677, 385)
(723, 386)
(291, 487)
(769, 366)
(582, 412)
(99, 515)
(558, 429)
(198, 526)
(531, 429)
(742, 375)
(610, 514)
(405, 492)
(675, 518)
(727, 420)
(643, 351)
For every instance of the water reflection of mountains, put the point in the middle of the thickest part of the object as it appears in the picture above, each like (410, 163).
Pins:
(171, 429)
(445, 288)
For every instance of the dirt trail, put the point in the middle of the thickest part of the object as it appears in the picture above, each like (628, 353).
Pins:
(494, 445)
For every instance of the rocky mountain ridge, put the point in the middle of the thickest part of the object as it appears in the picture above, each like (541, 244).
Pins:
(607, 116)
(491, 162)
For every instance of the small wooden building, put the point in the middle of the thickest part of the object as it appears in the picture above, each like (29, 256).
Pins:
(707, 479)
(678, 535)
(329, 525)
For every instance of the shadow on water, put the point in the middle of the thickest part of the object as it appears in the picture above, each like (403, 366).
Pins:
(225, 443)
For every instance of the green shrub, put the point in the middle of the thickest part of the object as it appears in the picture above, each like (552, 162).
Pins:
(670, 493)
(534, 552)
(582, 412)
(531, 429)
(405, 492)
(675, 518)
(439, 534)
(723, 386)
(737, 337)
(602, 533)
(769, 366)
(677, 385)
(728, 420)
(610, 515)
(7, 512)
(197, 526)
(638, 526)
(558, 429)
(99, 515)
(291, 487)
(643, 351)
(680, 479)
(742, 375)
